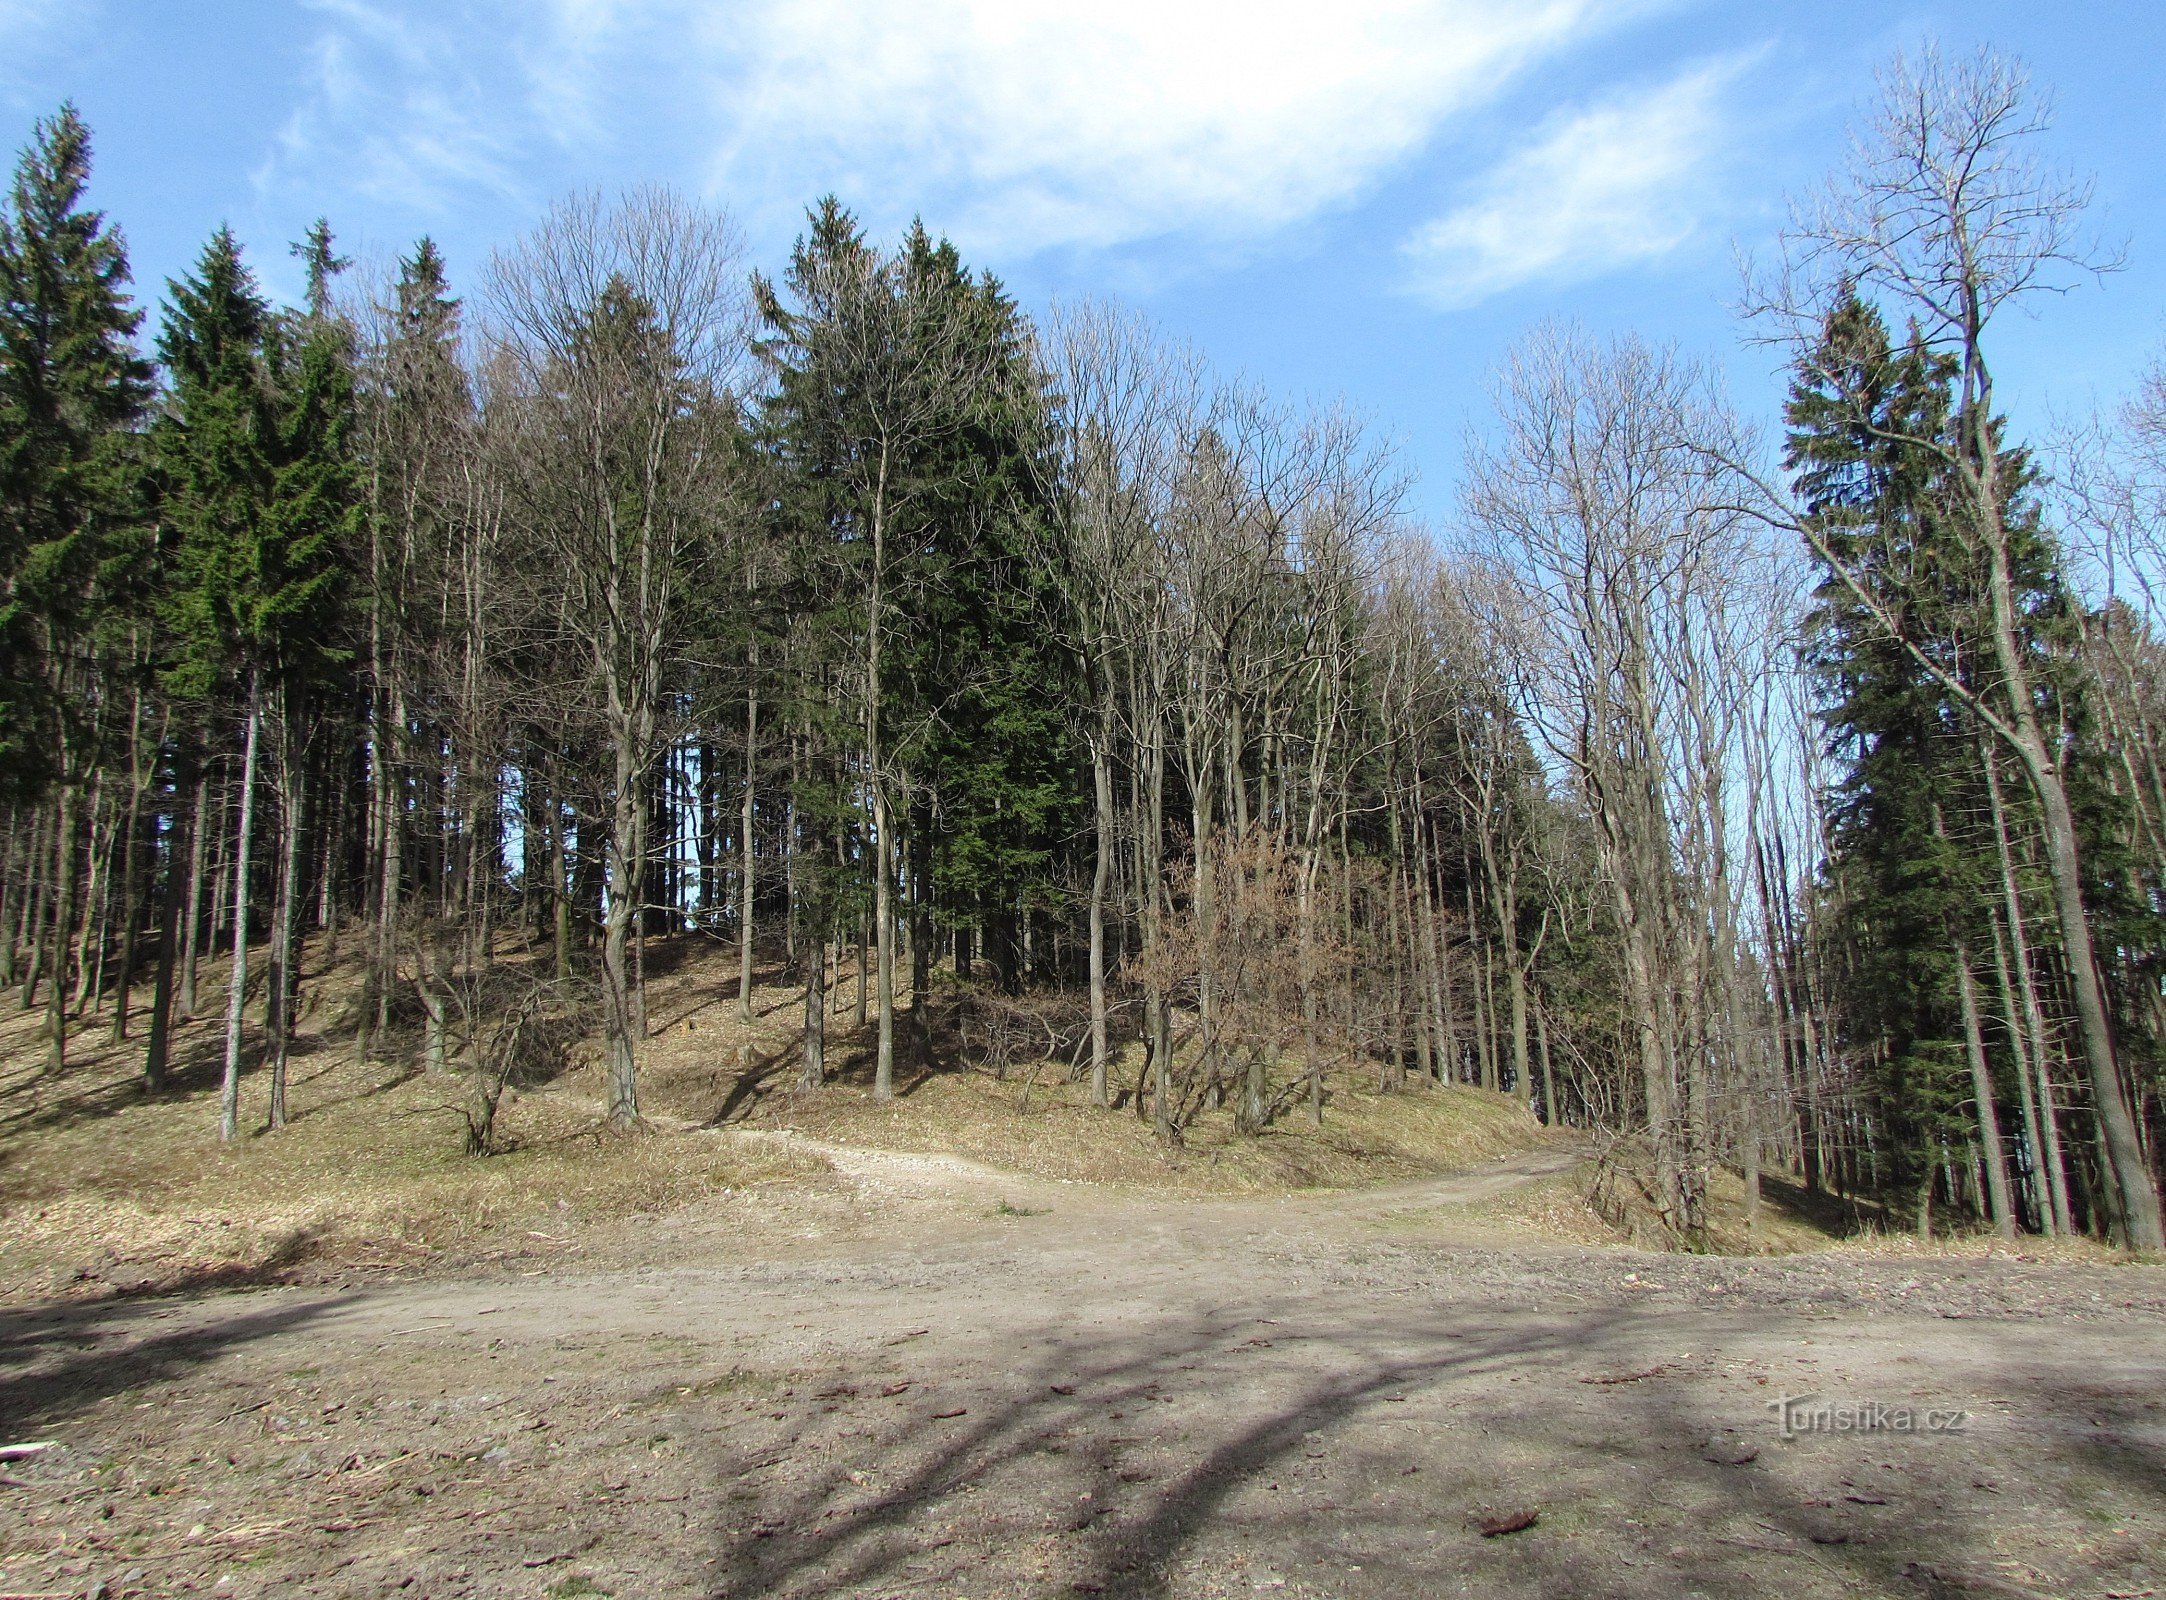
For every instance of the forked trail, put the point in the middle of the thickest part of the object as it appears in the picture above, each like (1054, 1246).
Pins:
(934, 1378)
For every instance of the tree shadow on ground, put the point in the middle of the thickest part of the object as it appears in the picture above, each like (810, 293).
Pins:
(58, 1358)
(1376, 1464)
(752, 1086)
(832, 1536)
(1895, 1509)
(94, 1087)
(1837, 1215)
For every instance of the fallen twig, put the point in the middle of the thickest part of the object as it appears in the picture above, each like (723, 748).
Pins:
(1509, 1522)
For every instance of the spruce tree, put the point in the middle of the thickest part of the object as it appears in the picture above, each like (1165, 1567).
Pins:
(313, 524)
(253, 450)
(72, 390)
(214, 455)
(1912, 866)
(909, 423)
(981, 681)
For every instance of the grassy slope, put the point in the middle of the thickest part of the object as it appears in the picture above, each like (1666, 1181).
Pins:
(103, 1189)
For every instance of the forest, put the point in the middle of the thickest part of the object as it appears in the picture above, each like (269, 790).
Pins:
(1770, 795)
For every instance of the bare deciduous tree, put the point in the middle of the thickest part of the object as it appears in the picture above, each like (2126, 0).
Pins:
(624, 324)
(1624, 566)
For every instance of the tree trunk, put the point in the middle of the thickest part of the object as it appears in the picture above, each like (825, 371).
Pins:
(1101, 876)
(390, 797)
(1158, 1010)
(1981, 1080)
(284, 981)
(2055, 1171)
(861, 972)
(814, 1072)
(1312, 1061)
(746, 887)
(157, 1049)
(883, 932)
(28, 932)
(1549, 1076)
(2026, 1092)
(2132, 1195)
(63, 929)
(131, 894)
(1435, 946)
(1653, 1063)
(883, 912)
(430, 984)
(14, 890)
(921, 937)
(229, 1099)
(627, 855)
(199, 834)
(560, 893)
(89, 932)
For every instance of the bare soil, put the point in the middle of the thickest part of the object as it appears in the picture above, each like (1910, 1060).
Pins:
(942, 1379)
(841, 1349)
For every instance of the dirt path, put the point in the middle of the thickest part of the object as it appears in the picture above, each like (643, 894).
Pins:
(940, 1379)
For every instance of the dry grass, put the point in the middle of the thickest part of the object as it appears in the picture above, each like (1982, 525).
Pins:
(1059, 1133)
(1791, 1221)
(1555, 1210)
(103, 1189)
(705, 1066)
(1981, 1245)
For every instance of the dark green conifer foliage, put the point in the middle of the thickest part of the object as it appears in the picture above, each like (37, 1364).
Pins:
(912, 358)
(71, 392)
(72, 389)
(255, 454)
(986, 685)
(1913, 868)
(323, 264)
(313, 524)
(1905, 755)
(215, 455)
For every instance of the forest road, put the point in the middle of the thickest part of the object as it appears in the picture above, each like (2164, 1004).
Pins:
(931, 1378)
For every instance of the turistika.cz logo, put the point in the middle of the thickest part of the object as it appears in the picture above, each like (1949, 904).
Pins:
(1801, 1414)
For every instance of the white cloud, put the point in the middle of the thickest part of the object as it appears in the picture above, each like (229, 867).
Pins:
(1618, 183)
(19, 18)
(394, 113)
(1036, 123)
(30, 28)
(1018, 125)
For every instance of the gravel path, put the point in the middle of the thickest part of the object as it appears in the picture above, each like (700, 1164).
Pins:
(937, 1379)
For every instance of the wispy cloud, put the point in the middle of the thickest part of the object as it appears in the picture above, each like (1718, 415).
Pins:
(1020, 125)
(33, 27)
(397, 111)
(1036, 123)
(1621, 182)
(19, 19)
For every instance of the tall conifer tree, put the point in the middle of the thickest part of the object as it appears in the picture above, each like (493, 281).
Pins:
(72, 390)
(252, 450)
(313, 524)
(1913, 870)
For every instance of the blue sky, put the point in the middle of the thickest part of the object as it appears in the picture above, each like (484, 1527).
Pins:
(1367, 199)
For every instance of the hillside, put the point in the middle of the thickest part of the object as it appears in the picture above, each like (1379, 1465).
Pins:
(104, 1189)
